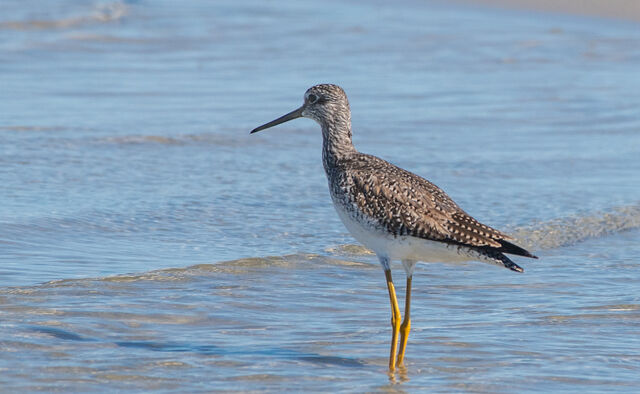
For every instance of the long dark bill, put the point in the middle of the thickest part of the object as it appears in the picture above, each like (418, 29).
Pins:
(291, 115)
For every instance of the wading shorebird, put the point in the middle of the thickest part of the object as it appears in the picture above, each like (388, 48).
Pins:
(395, 213)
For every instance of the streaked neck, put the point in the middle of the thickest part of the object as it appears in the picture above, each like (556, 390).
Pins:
(336, 143)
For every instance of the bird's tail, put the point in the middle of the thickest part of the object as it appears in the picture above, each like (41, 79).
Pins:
(508, 263)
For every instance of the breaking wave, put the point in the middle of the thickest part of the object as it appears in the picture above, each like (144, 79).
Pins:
(545, 235)
(567, 231)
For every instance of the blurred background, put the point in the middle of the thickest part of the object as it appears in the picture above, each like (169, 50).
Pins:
(125, 149)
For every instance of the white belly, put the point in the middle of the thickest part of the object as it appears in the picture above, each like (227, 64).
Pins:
(400, 247)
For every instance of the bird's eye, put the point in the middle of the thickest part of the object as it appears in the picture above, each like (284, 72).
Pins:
(312, 98)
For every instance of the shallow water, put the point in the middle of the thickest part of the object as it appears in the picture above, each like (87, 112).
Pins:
(137, 215)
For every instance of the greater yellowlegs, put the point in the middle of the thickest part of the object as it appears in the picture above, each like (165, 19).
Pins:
(395, 213)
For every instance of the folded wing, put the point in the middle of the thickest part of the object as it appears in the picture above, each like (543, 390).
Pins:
(407, 204)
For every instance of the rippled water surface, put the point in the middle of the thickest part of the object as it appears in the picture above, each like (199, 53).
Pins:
(149, 242)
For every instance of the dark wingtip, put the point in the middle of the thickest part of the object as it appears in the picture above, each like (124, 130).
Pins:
(511, 248)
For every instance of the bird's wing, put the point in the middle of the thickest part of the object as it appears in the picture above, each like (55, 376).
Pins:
(407, 204)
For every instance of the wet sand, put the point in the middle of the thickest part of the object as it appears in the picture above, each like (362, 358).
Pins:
(614, 9)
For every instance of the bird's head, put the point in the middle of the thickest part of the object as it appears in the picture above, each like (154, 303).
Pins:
(324, 103)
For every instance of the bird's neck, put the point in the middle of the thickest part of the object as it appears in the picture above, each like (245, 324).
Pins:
(336, 143)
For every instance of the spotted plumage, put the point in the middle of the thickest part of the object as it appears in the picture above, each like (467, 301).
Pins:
(397, 214)
(404, 204)
(389, 199)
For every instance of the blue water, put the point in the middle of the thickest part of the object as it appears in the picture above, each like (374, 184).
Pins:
(137, 215)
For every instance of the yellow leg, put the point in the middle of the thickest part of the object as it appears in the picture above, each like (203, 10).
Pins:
(406, 324)
(395, 319)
